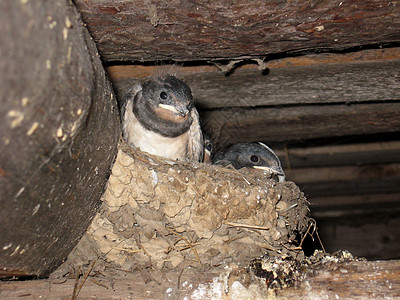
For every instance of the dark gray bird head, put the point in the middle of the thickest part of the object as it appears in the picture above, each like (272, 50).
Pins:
(163, 105)
(208, 149)
(251, 155)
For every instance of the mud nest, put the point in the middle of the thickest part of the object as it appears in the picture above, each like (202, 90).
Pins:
(166, 215)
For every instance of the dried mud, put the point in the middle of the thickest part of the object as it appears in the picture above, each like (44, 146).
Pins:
(164, 215)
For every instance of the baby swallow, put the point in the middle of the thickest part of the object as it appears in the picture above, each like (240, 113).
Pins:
(251, 155)
(159, 117)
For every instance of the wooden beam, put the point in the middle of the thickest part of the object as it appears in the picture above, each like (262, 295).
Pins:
(340, 155)
(348, 280)
(375, 236)
(229, 126)
(345, 188)
(320, 206)
(347, 180)
(59, 134)
(314, 79)
(361, 177)
(344, 173)
(129, 30)
(129, 71)
(331, 83)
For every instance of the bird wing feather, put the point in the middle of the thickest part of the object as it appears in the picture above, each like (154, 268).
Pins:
(195, 145)
(128, 97)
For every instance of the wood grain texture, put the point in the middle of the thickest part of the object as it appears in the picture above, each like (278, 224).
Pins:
(289, 102)
(347, 180)
(182, 30)
(340, 155)
(373, 235)
(330, 83)
(229, 126)
(59, 133)
(339, 184)
(354, 280)
(345, 83)
(345, 173)
(323, 204)
(134, 71)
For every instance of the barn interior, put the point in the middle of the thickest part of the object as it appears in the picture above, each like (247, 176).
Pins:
(323, 95)
(318, 82)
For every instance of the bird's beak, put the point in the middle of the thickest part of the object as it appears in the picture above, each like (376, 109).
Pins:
(169, 107)
(281, 178)
(278, 173)
(181, 110)
(265, 168)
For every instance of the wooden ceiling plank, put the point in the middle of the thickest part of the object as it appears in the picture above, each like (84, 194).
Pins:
(340, 155)
(283, 124)
(246, 87)
(129, 30)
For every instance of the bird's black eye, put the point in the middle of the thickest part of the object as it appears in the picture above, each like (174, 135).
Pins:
(254, 158)
(163, 95)
(209, 147)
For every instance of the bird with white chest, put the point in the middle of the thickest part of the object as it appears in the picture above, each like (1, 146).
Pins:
(159, 117)
(251, 155)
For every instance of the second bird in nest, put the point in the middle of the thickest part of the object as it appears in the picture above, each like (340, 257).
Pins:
(251, 155)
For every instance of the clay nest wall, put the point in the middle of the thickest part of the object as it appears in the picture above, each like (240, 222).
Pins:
(165, 215)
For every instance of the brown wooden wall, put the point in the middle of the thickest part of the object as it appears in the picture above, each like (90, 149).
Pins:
(318, 81)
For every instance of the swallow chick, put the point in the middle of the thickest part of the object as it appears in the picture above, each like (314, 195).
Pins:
(251, 155)
(159, 117)
(208, 149)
